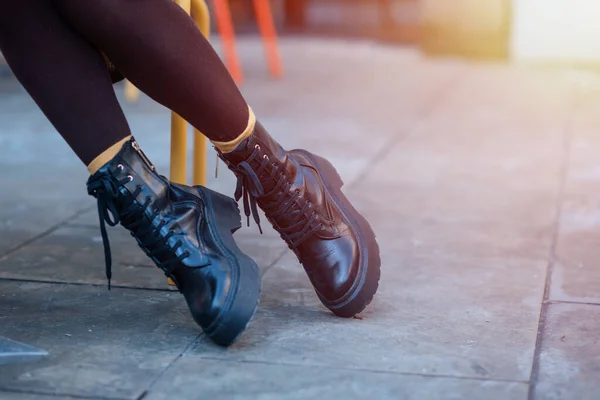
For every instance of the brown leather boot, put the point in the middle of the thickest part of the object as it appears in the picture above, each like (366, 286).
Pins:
(301, 196)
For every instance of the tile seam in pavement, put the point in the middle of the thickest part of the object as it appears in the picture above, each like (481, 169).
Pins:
(59, 395)
(81, 226)
(433, 103)
(171, 364)
(567, 142)
(581, 303)
(43, 234)
(374, 371)
(51, 282)
(274, 262)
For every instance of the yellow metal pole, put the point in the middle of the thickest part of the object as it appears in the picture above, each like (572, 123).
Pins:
(131, 92)
(185, 4)
(201, 16)
(179, 127)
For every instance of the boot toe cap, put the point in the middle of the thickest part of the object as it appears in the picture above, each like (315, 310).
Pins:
(334, 273)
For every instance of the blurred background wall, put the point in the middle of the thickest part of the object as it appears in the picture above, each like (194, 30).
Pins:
(567, 30)
(563, 31)
(521, 30)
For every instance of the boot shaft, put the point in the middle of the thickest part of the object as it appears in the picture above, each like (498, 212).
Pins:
(284, 184)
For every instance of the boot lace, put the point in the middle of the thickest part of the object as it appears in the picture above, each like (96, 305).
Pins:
(280, 201)
(114, 208)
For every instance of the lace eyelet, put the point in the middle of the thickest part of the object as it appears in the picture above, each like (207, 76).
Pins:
(121, 167)
(130, 178)
(257, 147)
(266, 157)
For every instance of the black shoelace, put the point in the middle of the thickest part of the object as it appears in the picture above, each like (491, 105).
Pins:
(278, 202)
(106, 190)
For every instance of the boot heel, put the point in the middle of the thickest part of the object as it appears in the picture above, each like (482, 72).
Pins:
(226, 209)
(244, 292)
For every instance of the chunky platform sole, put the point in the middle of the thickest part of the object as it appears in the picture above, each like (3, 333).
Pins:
(365, 286)
(224, 219)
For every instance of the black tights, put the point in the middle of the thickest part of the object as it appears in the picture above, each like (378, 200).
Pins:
(51, 47)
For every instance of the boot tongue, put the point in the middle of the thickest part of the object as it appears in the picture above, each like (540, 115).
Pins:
(253, 151)
(239, 154)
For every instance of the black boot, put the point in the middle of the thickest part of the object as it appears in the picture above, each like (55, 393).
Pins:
(188, 233)
(301, 196)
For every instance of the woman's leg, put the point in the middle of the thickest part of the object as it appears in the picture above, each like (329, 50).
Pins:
(160, 50)
(157, 46)
(60, 69)
(68, 79)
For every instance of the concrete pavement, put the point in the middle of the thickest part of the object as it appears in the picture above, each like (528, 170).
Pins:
(480, 180)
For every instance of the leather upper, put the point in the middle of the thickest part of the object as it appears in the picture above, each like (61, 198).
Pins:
(170, 225)
(291, 192)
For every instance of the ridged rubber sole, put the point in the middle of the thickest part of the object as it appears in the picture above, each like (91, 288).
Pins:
(242, 301)
(363, 289)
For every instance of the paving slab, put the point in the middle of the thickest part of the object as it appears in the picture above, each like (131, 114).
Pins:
(42, 193)
(75, 254)
(576, 275)
(216, 379)
(100, 343)
(570, 353)
(485, 187)
(7, 395)
(457, 218)
(431, 316)
(458, 167)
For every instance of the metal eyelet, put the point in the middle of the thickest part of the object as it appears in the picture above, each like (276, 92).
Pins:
(257, 147)
(130, 178)
(266, 157)
(121, 167)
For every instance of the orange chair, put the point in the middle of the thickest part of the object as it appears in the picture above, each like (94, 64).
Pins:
(266, 25)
